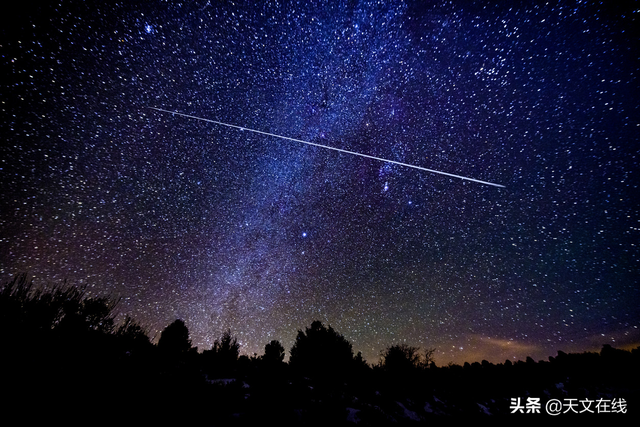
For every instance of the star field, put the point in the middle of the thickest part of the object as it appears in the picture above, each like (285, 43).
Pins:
(226, 228)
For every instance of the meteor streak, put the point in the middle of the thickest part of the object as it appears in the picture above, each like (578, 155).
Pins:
(328, 147)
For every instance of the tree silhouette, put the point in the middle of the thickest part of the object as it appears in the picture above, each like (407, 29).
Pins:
(428, 361)
(175, 338)
(227, 348)
(400, 359)
(273, 352)
(321, 351)
(223, 356)
(58, 335)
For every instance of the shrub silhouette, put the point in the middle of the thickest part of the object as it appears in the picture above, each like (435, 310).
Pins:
(174, 339)
(55, 339)
(321, 351)
(63, 308)
(131, 334)
(131, 330)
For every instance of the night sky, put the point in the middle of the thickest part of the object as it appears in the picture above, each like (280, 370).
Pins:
(226, 228)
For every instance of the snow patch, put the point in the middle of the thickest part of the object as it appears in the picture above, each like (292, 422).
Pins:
(485, 410)
(352, 416)
(408, 413)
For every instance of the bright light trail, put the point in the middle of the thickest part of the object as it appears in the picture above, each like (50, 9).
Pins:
(328, 147)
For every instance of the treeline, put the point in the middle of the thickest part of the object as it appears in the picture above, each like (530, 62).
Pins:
(64, 354)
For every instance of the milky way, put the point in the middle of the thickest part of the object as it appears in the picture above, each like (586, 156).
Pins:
(227, 228)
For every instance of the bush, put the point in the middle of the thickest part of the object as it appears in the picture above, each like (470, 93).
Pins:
(60, 312)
